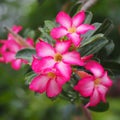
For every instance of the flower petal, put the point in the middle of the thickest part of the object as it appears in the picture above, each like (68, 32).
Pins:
(62, 47)
(8, 56)
(39, 84)
(16, 64)
(72, 58)
(61, 80)
(64, 69)
(78, 18)
(58, 32)
(44, 49)
(85, 86)
(38, 65)
(64, 19)
(102, 91)
(95, 68)
(105, 80)
(53, 88)
(82, 29)
(94, 99)
(75, 38)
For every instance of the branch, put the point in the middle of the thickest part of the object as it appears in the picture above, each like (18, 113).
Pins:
(18, 38)
(88, 4)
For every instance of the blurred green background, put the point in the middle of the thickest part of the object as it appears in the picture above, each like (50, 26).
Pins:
(16, 101)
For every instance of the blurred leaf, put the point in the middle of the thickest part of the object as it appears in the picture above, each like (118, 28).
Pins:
(93, 47)
(89, 17)
(28, 77)
(106, 27)
(101, 107)
(26, 54)
(49, 24)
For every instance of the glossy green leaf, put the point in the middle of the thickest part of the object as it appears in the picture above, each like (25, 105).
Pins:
(106, 27)
(26, 54)
(93, 47)
(89, 17)
(28, 77)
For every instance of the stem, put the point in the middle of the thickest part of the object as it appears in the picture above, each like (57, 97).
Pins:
(88, 4)
(86, 112)
(18, 38)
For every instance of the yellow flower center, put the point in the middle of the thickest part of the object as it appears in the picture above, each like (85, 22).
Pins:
(51, 75)
(72, 30)
(97, 82)
(58, 57)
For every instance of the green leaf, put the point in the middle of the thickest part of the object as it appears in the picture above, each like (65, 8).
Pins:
(93, 47)
(26, 54)
(49, 24)
(101, 107)
(28, 77)
(89, 17)
(106, 27)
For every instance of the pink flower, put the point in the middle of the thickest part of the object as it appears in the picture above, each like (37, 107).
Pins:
(58, 57)
(71, 27)
(49, 81)
(10, 47)
(94, 86)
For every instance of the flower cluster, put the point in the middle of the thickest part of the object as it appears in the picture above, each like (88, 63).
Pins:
(10, 47)
(54, 64)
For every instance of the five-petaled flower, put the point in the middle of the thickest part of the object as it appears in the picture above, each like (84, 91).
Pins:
(59, 57)
(94, 86)
(49, 81)
(71, 27)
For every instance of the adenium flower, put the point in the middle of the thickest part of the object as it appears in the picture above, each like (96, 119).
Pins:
(94, 86)
(49, 81)
(10, 47)
(71, 27)
(59, 57)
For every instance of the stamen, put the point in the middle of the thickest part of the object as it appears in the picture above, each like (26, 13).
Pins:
(51, 75)
(72, 30)
(58, 57)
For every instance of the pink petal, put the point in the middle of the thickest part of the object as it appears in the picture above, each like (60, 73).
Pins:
(38, 65)
(102, 91)
(61, 80)
(75, 38)
(13, 46)
(72, 58)
(44, 49)
(16, 28)
(39, 84)
(16, 64)
(95, 68)
(30, 41)
(53, 88)
(86, 58)
(82, 29)
(8, 56)
(58, 32)
(105, 80)
(94, 99)
(78, 18)
(64, 69)
(62, 47)
(85, 86)
(64, 19)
